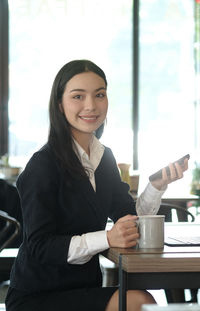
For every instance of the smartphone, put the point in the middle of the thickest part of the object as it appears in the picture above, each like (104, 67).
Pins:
(158, 175)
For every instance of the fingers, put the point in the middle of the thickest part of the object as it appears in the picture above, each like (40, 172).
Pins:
(126, 228)
(124, 233)
(185, 165)
(128, 217)
(179, 171)
(164, 174)
(127, 225)
(132, 234)
(173, 171)
(176, 171)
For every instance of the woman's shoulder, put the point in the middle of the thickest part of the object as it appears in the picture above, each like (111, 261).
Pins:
(108, 161)
(108, 154)
(44, 156)
(42, 164)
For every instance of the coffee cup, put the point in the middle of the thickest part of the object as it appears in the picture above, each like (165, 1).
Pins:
(151, 231)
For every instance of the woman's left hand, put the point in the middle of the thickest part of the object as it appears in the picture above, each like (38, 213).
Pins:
(176, 172)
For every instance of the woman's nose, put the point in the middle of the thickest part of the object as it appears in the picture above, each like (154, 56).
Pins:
(90, 104)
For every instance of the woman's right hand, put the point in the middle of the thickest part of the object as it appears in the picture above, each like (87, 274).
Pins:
(124, 232)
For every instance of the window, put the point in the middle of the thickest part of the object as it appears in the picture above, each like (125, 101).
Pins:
(44, 35)
(167, 115)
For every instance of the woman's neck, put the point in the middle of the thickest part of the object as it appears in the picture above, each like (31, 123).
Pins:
(84, 141)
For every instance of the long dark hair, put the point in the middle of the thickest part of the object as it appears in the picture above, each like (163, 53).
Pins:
(60, 137)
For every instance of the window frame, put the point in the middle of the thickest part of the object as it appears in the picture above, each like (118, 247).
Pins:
(4, 65)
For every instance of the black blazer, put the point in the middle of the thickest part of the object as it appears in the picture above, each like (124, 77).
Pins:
(53, 211)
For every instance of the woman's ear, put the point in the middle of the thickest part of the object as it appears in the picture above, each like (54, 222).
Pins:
(61, 108)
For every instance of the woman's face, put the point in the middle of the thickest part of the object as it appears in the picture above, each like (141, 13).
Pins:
(85, 103)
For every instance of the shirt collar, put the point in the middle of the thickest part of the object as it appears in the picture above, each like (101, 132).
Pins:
(96, 152)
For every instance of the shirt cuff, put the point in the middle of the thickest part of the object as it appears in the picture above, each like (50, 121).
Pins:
(97, 241)
(152, 192)
(149, 201)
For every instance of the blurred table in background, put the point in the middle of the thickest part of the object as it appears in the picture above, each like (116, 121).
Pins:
(179, 200)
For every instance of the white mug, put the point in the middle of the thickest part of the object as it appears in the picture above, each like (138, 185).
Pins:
(151, 231)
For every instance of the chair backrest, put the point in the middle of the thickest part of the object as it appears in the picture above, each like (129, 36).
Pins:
(182, 213)
(10, 229)
(10, 203)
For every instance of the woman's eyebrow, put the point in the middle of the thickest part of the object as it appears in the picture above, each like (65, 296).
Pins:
(100, 88)
(82, 90)
(77, 90)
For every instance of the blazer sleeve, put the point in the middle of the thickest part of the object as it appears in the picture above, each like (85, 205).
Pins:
(122, 201)
(38, 187)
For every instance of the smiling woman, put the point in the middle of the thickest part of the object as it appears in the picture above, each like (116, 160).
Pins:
(75, 186)
(80, 91)
(70, 187)
(85, 107)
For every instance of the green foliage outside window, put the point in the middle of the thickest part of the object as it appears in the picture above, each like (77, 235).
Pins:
(195, 185)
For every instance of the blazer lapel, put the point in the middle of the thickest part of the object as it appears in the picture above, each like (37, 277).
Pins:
(92, 198)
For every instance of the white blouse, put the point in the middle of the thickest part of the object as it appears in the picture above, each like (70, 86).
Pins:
(82, 248)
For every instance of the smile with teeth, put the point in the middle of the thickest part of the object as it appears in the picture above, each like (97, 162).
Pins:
(88, 117)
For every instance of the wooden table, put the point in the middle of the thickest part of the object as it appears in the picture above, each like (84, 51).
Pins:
(171, 267)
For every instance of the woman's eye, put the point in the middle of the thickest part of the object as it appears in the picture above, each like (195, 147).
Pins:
(101, 95)
(77, 97)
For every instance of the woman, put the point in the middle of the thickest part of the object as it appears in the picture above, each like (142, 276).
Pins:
(68, 190)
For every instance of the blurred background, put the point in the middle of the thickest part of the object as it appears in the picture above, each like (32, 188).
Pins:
(150, 52)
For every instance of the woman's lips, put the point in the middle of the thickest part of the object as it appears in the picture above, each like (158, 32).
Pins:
(88, 118)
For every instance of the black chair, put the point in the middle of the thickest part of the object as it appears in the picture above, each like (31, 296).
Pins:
(9, 230)
(182, 213)
(10, 203)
